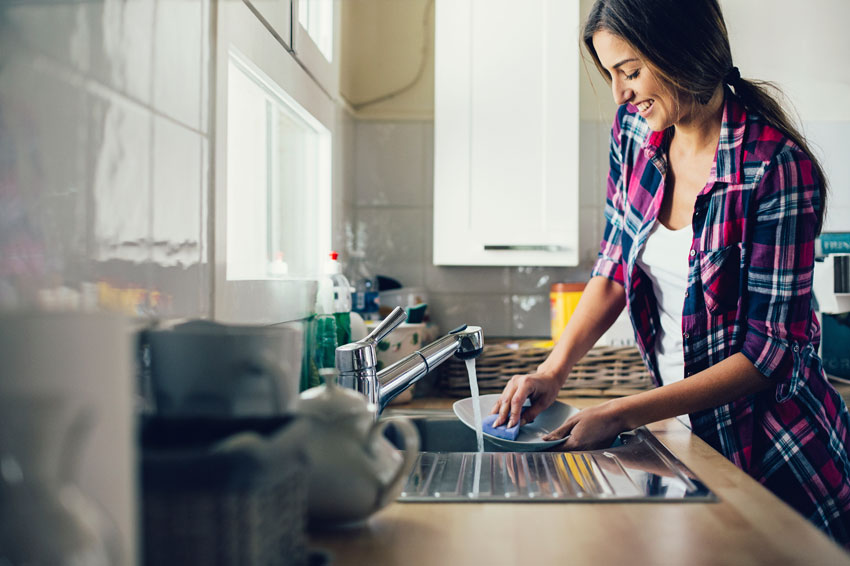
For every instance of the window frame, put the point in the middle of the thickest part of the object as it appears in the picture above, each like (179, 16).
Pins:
(262, 300)
(325, 72)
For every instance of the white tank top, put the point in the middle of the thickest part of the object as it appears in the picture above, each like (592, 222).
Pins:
(664, 259)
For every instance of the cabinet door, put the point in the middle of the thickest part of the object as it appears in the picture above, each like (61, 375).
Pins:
(506, 132)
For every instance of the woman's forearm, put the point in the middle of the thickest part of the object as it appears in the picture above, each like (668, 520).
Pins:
(722, 383)
(601, 303)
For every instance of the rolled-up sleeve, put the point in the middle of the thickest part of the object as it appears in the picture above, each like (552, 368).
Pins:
(780, 266)
(609, 260)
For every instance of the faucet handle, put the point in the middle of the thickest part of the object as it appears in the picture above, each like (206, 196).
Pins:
(387, 325)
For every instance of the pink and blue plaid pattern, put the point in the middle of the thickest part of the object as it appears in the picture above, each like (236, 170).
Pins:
(750, 291)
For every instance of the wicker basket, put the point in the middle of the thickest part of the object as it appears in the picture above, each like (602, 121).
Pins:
(604, 371)
(229, 502)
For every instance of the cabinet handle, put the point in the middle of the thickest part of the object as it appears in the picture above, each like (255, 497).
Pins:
(525, 248)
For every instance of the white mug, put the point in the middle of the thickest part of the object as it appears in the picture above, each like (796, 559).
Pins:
(207, 369)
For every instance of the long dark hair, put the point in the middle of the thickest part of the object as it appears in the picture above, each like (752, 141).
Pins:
(686, 44)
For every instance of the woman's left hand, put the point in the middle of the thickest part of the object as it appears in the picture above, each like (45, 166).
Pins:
(591, 428)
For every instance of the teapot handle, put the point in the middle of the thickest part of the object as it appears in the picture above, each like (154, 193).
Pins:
(411, 451)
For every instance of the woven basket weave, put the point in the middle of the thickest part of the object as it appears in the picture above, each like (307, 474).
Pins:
(218, 493)
(263, 526)
(605, 370)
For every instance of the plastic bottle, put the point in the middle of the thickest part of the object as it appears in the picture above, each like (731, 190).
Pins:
(324, 331)
(563, 299)
(365, 300)
(278, 267)
(341, 298)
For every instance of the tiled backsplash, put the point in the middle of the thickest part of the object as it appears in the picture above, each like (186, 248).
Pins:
(104, 155)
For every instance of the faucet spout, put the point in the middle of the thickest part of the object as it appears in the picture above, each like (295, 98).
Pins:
(466, 342)
(357, 361)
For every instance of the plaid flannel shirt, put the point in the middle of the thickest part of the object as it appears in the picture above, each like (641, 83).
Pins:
(749, 290)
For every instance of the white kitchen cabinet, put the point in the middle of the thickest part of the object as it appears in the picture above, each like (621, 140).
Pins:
(506, 132)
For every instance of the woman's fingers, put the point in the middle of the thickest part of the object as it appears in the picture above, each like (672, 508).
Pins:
(562, 431)
(505, 409)
(504, 398)
(523, 391)
(505, 402)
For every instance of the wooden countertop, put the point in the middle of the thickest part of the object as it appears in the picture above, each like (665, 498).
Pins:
(748, 525)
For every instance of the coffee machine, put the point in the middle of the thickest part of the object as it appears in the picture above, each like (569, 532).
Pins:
(831, 288)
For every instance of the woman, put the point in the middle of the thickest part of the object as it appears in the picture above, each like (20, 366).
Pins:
(713, 205)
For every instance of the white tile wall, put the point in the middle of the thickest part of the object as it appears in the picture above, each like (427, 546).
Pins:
(122, 44)
(178, 61)
(829, 141)
(104, 110)
(492, 312)
(177, 192)
(530, 315)
(391, 165)
(394, 240)
(61, 31)
(43, 163)
(121, 164)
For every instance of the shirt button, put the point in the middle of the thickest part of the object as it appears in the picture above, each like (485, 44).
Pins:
(686, 335)
(686, 293)
(796, 347)
(693, 253)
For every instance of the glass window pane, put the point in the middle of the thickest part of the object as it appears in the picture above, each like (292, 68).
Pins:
(317, 17)
(278, 180)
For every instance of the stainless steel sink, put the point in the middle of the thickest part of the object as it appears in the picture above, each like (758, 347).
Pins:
(637, 467)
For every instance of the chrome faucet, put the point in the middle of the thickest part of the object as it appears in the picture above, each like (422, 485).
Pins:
(357, 362)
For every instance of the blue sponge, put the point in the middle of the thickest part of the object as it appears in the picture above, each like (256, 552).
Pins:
(499, 431)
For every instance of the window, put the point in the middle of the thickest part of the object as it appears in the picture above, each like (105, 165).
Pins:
(275, 127)
(279, 179)
(317, 18)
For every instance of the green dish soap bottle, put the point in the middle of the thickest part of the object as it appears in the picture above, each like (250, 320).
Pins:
(324, 332)
(341, 299)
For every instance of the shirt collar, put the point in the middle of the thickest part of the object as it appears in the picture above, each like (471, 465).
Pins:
(728, 162)
(728, 159)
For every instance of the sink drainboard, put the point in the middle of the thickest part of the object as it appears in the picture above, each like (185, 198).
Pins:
(637, 468)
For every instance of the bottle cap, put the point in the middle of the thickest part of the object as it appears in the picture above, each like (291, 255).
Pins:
(567, 287)
(332, 265)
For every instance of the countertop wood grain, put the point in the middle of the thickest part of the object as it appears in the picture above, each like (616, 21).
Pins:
(748, 525)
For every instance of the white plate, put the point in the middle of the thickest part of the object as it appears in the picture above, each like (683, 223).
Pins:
(530, 438)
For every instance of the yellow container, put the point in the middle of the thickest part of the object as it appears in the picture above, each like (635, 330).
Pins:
(563, 299)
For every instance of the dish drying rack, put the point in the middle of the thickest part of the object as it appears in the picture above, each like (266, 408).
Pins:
(604, 370)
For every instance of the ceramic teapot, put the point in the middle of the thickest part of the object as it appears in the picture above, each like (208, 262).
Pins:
(354, 469)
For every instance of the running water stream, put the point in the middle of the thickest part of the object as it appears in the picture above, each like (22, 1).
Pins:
(479, 430)
(476, 406)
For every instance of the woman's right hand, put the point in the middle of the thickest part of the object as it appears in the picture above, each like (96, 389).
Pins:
(541, 387)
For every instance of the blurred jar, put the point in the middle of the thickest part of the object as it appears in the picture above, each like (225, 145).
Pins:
(563, 299)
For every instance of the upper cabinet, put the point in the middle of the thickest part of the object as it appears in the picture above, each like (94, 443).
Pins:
(506, 132)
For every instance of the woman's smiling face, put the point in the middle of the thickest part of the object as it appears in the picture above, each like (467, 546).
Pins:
(633, 82)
